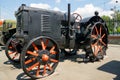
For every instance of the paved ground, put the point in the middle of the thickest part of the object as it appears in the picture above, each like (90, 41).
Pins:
(72, 68)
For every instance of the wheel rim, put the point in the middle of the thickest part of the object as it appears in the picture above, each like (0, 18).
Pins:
(40, 57)
(13, 50)
(98, 40)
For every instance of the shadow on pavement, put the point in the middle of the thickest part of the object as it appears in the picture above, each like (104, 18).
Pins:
(75, 58)
(2, 48)
(79, 58)
(23, 76)
(112, 67)
(16, 65)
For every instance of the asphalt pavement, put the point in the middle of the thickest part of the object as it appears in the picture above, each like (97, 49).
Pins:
(70, 68)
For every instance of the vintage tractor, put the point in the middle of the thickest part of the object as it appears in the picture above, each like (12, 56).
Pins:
(7, 29)
(41, 35)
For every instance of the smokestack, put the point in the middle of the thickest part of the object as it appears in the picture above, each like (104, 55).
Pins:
(69, 15)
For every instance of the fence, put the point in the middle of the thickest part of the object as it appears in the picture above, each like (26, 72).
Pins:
(113, 27)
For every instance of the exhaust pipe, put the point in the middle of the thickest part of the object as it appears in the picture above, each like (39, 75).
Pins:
(69, 15)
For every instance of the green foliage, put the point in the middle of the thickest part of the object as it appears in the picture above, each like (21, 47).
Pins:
(118, 29)
(106, 18)
(8, 24)
(110, 22)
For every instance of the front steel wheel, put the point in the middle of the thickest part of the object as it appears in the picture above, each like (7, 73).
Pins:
(40, 57)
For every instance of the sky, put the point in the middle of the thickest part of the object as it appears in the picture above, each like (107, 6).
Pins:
(85, 8)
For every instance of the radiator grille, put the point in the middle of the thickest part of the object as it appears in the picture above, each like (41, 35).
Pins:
(45, 23)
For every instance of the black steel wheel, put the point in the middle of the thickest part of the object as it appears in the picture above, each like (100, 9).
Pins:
(99, 40)
(13, 50)
(2, 40)
(40, 57)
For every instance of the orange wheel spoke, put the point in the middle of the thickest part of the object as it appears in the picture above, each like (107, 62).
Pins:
(43, 45)
(100, 29)
(96, 50)
(10, 47)
(53, 60)
(44, 70)
(32, 53)
(34, 65)
(29, 61)
(94, 44)
(93, 36)
(35, 47)
(15, 56)
(46, 43)
(50, 68)
(11, 52)
(96, 30)
(38, 70)
(53, 52)
(100, 48)
(102, 42)
(103, 36)
(52, 48)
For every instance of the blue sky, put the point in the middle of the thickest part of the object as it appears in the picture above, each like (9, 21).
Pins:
(84, 7)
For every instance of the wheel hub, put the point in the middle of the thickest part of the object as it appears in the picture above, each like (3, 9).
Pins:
(99, 38)
(43, 55)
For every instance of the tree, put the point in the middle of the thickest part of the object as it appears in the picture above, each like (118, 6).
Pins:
(118, 29)
(109, 23)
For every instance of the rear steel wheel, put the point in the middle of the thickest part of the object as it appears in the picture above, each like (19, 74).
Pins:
(13, 50)
(40, 57)
(98, 40)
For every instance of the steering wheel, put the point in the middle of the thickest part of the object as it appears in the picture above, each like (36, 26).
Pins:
(77, 16)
